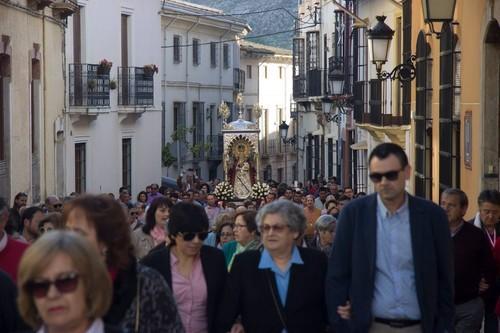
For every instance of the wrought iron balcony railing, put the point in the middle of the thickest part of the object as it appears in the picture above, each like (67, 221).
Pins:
(88, 86)
(239, 79)
(135, 87)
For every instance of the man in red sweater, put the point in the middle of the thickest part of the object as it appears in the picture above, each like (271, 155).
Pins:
(11, 250)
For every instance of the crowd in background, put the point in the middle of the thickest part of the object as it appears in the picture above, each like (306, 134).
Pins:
(164, 255)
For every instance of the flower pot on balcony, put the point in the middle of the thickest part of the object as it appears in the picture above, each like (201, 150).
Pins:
(112, 84)
(91, 84)
(103, 70)
(149, 70)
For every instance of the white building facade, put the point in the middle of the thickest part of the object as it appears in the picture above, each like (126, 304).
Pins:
(268, 84)
(111, 130)
(200, 70)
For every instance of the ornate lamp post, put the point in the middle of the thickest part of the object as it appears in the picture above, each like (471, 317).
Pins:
(283, 127)
(438, 11)
(379, 43)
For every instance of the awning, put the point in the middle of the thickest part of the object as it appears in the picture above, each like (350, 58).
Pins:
(361, 145)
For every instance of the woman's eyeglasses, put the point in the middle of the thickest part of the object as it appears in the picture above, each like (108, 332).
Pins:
(226, 234)
(65, 284)
(189, 236)
(278, 228)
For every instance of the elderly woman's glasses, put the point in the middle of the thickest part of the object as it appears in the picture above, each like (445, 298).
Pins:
(189, 236)
(278, 228)
(64, 284)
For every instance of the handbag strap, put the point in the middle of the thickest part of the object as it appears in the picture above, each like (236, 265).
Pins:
(138, 305)
(275, 300)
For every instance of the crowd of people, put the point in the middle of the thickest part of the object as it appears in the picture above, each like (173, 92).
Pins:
(312, 258)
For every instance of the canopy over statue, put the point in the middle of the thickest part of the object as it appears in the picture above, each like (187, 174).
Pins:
(241, 156)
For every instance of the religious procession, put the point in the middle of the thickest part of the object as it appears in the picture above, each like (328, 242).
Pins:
(236, 166)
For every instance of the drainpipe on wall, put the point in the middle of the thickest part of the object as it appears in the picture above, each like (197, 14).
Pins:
(44, 110)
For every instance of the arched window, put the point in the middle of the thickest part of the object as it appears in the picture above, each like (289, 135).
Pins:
(449, 123)
(423, 120)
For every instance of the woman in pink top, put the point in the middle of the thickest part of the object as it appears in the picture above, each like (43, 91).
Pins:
(195, 272)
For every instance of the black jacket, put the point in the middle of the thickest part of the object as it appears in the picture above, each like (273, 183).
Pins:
(214, 270)
(351, 266)
(157, 308)
(10, 321)
(248, 293)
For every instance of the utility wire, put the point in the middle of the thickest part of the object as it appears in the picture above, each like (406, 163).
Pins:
(243, 14)
(242, 38)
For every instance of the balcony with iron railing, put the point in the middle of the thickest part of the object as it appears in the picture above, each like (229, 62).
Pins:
(135, 87)
(88, 86)
(308, 84)
(238, 80)
(370, 104)
(274, 146)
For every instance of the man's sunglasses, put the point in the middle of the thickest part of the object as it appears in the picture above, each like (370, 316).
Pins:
(376, 177)
(189, 236)
(65, 284)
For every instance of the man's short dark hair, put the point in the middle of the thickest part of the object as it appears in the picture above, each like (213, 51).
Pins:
(462, 197)
(382, 151)
(491, 196)
(29, 212)
(187, 217)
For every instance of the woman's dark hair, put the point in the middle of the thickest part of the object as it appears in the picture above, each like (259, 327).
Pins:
(111, 225)
(55, 218)
(249, 218)
(139, 195)
(150, 214)
(382, 151)
(186, 217)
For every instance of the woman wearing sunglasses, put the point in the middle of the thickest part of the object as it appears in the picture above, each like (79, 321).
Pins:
(195, 272)
(63, 286)
(142, 301)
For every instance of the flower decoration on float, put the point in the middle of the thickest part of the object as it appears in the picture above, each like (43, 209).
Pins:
(224, 191)
(259, 190)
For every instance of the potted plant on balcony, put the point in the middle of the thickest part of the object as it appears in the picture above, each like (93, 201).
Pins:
(91, 84)
(104, 67)
(150, 69)
(112, 84)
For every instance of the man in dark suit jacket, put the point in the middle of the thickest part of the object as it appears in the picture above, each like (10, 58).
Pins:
(391, 264)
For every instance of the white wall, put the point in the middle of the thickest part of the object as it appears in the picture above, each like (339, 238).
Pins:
(104, 132)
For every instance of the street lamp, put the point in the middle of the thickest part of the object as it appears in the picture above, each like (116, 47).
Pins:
(438, 11)
(379, 43)
(283, 127)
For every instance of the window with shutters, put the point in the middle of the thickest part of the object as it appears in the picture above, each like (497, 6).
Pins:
(249, 71)
(406, 93)
(299, 77)
(177, 49)
(423, 119)
(80, 167)
(360, 95)
(213, 54)
(449, 127)
(127, 163)
(312, 50)
(196, 52)
(376, 102)
(198, 129)
(226, 56)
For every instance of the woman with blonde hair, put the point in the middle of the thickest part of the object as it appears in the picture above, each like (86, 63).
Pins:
(63, 286)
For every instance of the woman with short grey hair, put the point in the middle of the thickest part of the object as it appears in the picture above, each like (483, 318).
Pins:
(292, 214)
(324, 234)
(280, 267)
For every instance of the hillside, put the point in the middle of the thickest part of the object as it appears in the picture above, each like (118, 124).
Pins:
(261, 23)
